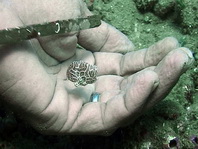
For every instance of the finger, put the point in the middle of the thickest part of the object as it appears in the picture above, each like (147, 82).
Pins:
(104, 38)
(110, 85)
(138, 60)
(169, 71)
(58, 47)
(104, 118)
(132, 62)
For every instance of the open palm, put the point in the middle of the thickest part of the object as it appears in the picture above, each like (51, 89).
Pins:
(34, 83)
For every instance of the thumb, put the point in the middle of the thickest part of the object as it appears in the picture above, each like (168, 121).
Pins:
(60, 47)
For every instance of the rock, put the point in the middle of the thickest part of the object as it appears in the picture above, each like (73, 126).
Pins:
(187, 16)
(164, 7)
(145, 5)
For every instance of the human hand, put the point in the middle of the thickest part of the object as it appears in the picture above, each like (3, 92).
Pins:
(33, 73)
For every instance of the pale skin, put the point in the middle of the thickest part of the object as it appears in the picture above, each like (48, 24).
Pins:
(33, 79)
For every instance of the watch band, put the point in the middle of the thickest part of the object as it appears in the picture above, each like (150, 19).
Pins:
(14, 35)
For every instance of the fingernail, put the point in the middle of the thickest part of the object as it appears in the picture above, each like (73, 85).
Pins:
(188, 52)
(190, 60)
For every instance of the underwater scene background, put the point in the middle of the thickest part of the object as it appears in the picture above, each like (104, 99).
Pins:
(172, 123)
